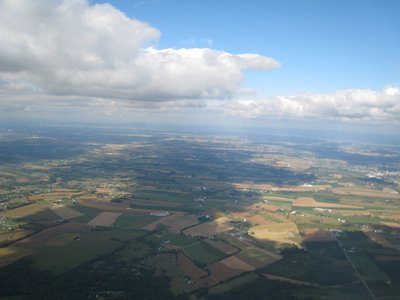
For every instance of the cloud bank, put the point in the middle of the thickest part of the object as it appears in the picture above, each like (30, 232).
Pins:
(72, 48)
(68, 55)
(345, 105)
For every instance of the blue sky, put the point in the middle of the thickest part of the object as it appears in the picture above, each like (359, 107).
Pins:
(305, 62)
(323, 45)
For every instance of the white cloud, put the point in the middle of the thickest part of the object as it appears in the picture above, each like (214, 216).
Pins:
(345, 105)
(72, 48)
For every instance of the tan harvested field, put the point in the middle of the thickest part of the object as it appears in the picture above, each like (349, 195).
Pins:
(22, 180)
(273, 198)
(104, 191)
(37, 240)
(250, 217)
(294, 164)
(301, 188)
(108, 191)
(7, 237)
(53, 196)
(157, 203)
(11, 254)
(366, 192)
(264, 207)
(104, 218)
(251, 186)
(280, 278)
(103, 205)
(7, 174)
(391, 224)
(285, 232)
(345, 212)
(62, 190)
(26, 210)
(65, 212)
(372, 204)
(175, 222)
(310, 202)
(228, 267)
(387, 258)
(223, 246)
(31, 166)
(215, 227)
(394, 215)
(378, 238)
(315, 235)
(189, 268)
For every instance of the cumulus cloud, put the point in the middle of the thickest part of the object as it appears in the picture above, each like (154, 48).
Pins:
(344, 105)
(72, 48)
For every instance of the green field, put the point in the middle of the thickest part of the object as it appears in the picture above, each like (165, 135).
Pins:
(179, 239)
(162, 196)
(67, 251)
(203, 253)
(132, 220)
(88, 213)
(133, 251)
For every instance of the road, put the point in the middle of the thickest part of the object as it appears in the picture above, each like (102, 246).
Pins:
(356, 270)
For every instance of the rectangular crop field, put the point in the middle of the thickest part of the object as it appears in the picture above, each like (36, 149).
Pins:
(229, 267)
(105, 218)
(65, 212)
(202, 253)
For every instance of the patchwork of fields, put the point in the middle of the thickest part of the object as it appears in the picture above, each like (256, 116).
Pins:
(202, 216)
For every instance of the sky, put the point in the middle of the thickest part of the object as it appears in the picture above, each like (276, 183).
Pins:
(225, 63)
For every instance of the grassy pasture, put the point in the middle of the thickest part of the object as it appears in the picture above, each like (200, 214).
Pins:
(367, 267)
(63, 239)
(223, 246)
(350, 291)
(166, 264)
(88, 213)
(365, 192)
(174, 222)
(252, 254)
(179, 239)
(202, 253)
(162, 196)
(71, 250)
(227, 286)
(133, 251)
(311, 202)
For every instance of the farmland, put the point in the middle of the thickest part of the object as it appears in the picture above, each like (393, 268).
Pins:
(194, 217)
